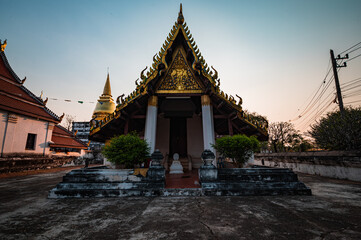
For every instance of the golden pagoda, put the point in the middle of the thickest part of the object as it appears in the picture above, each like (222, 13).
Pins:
(105, 104)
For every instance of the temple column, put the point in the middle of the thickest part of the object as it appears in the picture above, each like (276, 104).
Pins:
(151, 122)
(207, 122)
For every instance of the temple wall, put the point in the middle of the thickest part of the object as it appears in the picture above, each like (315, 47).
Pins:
(3, 119)
(16, 133)
(162, 138)
(195, 139)
(334, 164)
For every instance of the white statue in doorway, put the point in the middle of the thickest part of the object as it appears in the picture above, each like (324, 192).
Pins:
(176, 166)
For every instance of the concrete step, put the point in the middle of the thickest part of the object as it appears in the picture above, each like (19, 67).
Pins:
(102, 193)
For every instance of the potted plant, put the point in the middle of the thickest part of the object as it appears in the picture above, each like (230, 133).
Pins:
(125, 151)
(238, 147)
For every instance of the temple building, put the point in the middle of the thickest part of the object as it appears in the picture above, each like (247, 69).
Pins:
(27, 126)
(177, 105)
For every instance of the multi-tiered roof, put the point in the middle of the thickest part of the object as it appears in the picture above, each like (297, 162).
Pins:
(179, 69)
(16, 98)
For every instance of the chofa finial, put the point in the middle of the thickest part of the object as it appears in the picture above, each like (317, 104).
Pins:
(180, 16)
(3, 45)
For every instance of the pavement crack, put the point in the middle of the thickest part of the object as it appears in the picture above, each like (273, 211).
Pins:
(199, 205)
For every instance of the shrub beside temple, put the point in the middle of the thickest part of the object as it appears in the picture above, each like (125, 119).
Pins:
(127, 150)
(238, 147)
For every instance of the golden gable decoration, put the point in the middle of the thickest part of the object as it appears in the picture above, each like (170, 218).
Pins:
(179, 78)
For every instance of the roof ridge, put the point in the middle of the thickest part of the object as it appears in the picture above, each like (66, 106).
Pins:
(32, 95)
(71, 133)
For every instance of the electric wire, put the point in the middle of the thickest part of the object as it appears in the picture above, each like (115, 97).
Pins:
(353, 58)
(312, 103)
(354, 50)
(315, 111)
(323, 81)
(351, 87)
(317, 99)
(318, 114)
(350, 82)
(350, 47)
(353, 102)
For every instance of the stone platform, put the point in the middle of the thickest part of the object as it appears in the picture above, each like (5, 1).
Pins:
(103, 182)
(253, 181)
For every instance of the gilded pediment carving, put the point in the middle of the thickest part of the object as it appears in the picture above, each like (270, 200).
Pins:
(179, 77)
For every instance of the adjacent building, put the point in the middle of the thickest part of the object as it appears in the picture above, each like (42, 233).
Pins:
(26, 123)
(27, 126)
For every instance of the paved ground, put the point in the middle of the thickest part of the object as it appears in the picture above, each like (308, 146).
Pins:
(333, 212)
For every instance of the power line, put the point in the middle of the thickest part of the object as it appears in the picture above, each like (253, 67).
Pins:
(350, 47)
(353, 58)
(318, 114)
(353, 102)
(352, 94)
(314, 112)
(354, 50)
(323, 81)
(352, 81)
(351, 87)
(320, 96)
(312, 103)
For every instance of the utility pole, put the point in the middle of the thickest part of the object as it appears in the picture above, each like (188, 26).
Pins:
(335, 75)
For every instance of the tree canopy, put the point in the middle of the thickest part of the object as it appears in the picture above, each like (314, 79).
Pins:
(238, 147)
(339, 131)
(127, 150)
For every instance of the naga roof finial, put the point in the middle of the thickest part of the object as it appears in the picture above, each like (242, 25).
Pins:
(3, 45)
(180, 16)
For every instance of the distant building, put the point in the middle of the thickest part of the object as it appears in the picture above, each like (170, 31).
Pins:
(82, 130)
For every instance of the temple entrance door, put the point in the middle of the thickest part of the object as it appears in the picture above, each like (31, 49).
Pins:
(178, 136)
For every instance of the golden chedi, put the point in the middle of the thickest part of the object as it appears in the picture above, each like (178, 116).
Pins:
(105, 104)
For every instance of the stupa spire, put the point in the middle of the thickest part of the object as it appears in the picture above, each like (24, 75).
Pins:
(105, 104)
(107, 89)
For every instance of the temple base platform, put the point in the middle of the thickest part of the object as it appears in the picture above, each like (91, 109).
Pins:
(101, 182)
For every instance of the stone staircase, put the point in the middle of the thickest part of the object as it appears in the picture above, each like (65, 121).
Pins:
(103, 182)
(255, 181)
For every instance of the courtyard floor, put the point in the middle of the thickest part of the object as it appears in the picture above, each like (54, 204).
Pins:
(333, 212)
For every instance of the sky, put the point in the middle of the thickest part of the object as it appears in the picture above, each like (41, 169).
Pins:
(274, 54)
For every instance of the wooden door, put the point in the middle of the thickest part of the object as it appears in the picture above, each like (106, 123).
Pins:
(178, 136)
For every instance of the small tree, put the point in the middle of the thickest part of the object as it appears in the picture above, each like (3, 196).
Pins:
(283, 135)
(127, 150)
(69, 119)
(238, 147)
(339, 131)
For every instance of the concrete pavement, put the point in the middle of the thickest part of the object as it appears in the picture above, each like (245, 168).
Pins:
(333, 212)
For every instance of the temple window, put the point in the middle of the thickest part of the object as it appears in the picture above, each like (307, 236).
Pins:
(30, 142)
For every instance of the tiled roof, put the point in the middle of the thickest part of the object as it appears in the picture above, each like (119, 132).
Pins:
(63, 138)
(15, 97)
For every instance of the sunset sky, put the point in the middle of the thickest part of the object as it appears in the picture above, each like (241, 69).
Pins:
(274, 54)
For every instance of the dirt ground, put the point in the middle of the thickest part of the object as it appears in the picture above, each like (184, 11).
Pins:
(333, 212)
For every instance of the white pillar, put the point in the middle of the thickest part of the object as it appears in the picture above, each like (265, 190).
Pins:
(207, 122)
(151, 122)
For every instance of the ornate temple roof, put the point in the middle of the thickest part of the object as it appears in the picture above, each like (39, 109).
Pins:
(180, 69)
(15, 97)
